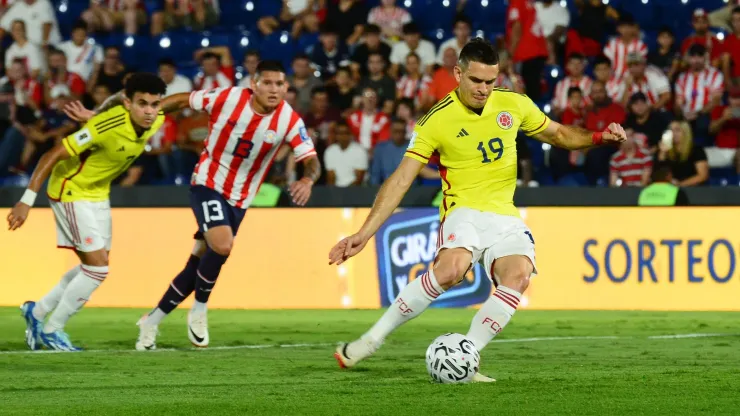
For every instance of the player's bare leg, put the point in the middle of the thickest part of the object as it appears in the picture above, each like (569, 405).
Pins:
(92, 272)
(179, 289)
(220, 240)
(512, 274)
(449, 268)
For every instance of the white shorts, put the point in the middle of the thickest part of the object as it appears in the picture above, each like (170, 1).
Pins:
(487, 236)
(82, 225)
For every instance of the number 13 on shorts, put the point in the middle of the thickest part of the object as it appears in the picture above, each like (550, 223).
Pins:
(212, 211)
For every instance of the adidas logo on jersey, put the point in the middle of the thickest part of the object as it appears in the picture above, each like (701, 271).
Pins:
(462, 133)
(121, 149)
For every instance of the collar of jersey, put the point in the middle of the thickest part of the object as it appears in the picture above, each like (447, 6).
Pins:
(456, 99)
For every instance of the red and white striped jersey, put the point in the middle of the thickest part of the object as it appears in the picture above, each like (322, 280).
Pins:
(560, 96)
(413, 88)
(389, 20)
(616, 50)
(242, 143)
(653, 84)
(75, 83)
(629, 168)
(224, 79)
(694, 89)
(512, 82)
(615, 89)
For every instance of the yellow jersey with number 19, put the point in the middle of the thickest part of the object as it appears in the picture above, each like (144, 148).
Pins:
(477, 153)
(101, 151)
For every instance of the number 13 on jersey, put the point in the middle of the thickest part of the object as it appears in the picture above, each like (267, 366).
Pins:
(496, 147)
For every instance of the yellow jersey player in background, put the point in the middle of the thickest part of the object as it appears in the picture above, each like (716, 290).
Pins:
(82, 168)
(473, 132)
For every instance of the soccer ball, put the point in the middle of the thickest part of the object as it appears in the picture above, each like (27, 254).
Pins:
(452, 358)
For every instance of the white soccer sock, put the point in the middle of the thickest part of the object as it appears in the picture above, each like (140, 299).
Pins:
(75, 296)
(410, 303)
(51, 299)
(199, 307)
(155, 317)
(493, 316)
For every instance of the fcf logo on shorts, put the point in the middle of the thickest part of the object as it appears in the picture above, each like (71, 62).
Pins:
(505, 120)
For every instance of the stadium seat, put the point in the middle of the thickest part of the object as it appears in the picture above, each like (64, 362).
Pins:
(644, 12)
(438, 14)
(437, 36)
(176, 45)
(67, 13)
(306, 42)
(489, 15)
(279, 46)
(241, 14)
(241, 42)
(573, 179)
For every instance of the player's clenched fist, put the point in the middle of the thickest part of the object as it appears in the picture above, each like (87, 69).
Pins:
(346, 248)
(18, 216)
(614, 133)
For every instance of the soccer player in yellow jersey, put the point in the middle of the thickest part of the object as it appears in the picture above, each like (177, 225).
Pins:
(82, 168)
(472, 131)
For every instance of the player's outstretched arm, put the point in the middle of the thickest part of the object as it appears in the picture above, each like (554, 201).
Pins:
(573, 138)
(300, 190)
(389, 196)
(19, 213)
(77, 112)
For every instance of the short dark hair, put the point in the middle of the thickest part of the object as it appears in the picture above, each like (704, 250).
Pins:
(574, 90)
(407, 101)
(411, 28)
(341, 123)
(269, 65)
(602, 60)
(735, 10)
(576, 55)
(252, 52)
(80, 24)
(461, 18)
(328, 29)
(414, 55)
(114, 47)
(293, 89)
(661, 172)
(344, 68)
(210, 55)
(23, 22)
(318, 90)
(478, 50)
(145, 82)
(168, 62)
(302, 56)
(374, 53)
(398, 121)
(666, 29)
(372, 29)
(55, 51)
(697, 50)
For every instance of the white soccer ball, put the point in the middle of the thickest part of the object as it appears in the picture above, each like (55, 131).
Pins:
(452, 358)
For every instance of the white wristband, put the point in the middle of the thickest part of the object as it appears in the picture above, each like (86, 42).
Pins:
(29, 197)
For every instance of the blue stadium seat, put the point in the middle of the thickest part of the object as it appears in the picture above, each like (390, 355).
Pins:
(279, 46)
(437, 36)
(488, 15)
(67, 13)
(307, 41)
(438, 14)
(573, 179)
(644, 12)
(177, 45)
(240, 13)
(269, 7)
(241, 42)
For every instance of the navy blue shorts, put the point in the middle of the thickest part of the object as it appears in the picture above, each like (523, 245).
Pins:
(211, 210)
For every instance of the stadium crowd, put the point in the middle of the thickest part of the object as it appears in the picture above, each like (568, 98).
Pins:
(362, 71)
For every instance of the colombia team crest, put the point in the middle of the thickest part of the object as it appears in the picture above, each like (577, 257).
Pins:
(505, 120)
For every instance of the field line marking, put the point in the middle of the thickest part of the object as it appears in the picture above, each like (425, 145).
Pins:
(326, 344)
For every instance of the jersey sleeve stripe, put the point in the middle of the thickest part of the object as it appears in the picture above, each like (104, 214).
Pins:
(69, 147)
(418, 154)
(109, 121)
(538, 129)
(434, 107)
(110, 127)
(431, 113)
(306, 155)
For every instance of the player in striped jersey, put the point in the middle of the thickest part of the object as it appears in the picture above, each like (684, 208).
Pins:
(247, 127)
(478, 219)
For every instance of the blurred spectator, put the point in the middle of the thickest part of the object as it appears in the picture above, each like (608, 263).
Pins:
(176, 83)
(251, 60)
(321, 117)
(574, 113)
(406, 111)
(346, 160)
(24, 50)
(646, 123)
(722, 17)
(603, 113)
(349, 16)
(304, 82)
(108, 15)
(688, 161)
(563, 161)
(698, 91)
(193, 14)
(702, 36)
(388, 154)
(527, 45)
(726, 126)
(28, 92)
(218, 68)
(303, 15)
(84, 57)
(330, 53)
(379, 81)
(295, 171)
(524, 162)
(662, 192)
(626, 42)
(291, 97)
(369, 125)
(414, 83)
(507, 76)
(389, 18)
(155, 160)
(39, 18)
(111, 73)
(412, 42)
(592, 23)
(731, 56)
(666, 56)
(575, 68)
(192, 132)
(58, 75)
(554, 19)
(100, 93)
(631, 165)
(343, 95)
(462, 27)
(372, 44)
(603, 73)
(443, 80)
(650, 81)
(50, 128)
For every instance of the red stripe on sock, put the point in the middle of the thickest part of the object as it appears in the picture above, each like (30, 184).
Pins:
(503, 299)
(425, 286)
(94, 277)
(431, 285)
(509, 296)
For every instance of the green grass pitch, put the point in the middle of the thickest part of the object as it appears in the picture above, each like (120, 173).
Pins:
(564, 363)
